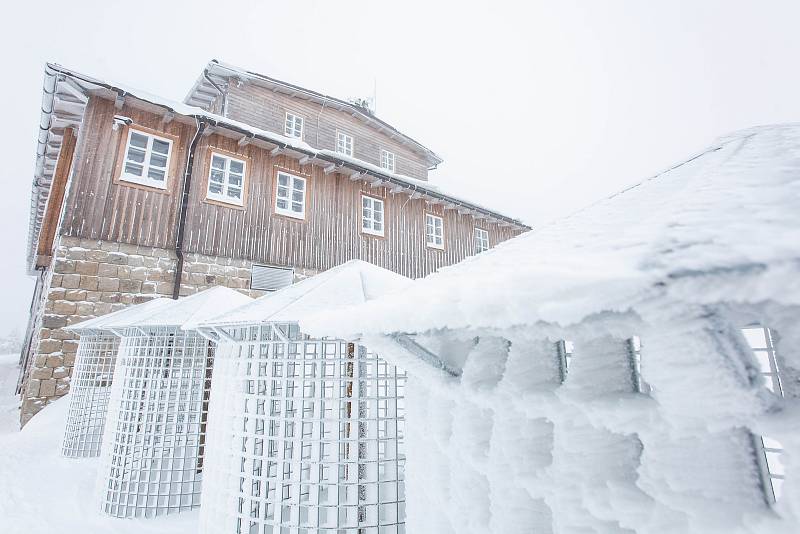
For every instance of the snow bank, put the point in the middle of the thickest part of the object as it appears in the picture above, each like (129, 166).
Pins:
(659, 437)
(42, 492)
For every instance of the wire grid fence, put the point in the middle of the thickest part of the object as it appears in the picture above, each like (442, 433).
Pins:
(154, 446)
(306, 436)
(89, 393)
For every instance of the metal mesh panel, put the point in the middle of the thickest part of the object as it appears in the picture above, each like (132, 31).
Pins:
(89, 392)
(305, 437)
(153, 449)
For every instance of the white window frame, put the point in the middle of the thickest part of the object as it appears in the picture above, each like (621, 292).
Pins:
(481, 240)
(388, 160)
(288, 210)
(291, 131)
(438, 239)
(341, 143)
(223, 196)
(144, 179)
(370, 229)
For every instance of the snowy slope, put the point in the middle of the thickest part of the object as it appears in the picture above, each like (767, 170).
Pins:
(40, 492)
(736, 204)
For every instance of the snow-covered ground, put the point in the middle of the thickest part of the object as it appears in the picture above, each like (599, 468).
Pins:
(41, 492)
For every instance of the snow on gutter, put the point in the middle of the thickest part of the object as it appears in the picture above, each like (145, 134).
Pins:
(335, 162)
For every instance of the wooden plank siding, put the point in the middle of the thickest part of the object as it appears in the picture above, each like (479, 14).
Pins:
(266, 109)
(101, 207)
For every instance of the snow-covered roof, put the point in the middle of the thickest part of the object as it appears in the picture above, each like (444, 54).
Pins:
(66, 92)
(185, 311)
(351, 283)
(203, 94)
(129, 314)
(733, 209)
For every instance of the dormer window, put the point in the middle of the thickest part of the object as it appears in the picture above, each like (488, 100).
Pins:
(344, 144)
(387, 160)
(294, 126)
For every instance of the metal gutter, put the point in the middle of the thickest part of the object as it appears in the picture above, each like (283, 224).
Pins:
(181, 224)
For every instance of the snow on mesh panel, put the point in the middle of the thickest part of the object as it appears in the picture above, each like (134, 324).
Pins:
(153, 448)
(89, 392)
(306, 435)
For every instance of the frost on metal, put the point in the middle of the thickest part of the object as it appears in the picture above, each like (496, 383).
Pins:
(305, 434)
(154, 445)
(631, 368)
(91, 380)
(90, 388)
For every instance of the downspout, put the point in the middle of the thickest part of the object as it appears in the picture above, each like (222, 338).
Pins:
(181, 225)
(222, 93)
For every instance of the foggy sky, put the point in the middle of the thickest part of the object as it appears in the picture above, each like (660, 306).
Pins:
(538, 108)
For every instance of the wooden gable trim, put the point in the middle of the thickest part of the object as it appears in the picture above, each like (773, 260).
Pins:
(55, 201)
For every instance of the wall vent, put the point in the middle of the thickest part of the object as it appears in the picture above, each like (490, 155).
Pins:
(266, 278)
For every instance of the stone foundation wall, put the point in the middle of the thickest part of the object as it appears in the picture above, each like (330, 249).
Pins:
(90, 278)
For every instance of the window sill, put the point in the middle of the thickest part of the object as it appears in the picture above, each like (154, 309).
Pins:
(222, 203)
(435, 247)
(378, 235)
(290, 215)
(135, 181)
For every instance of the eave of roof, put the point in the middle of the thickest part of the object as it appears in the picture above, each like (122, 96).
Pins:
(225, 71)
(74, 85)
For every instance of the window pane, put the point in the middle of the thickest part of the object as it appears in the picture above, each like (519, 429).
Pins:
(297, 196)
(283, 179)
(136, 155)
(234, 193)
(283, 192)
(132, 168)
(156, 174)
(296, 206)
(299, 184)
(377, 226)
(282, 204)
(378, 216)
(160, 147)
(378, 205)
(365, 201)
(218, 162)
(157, 160)
(365, 223)
(217, 176)
(138, 140)
(215, 188)
(367, 213)
(235, 179)
(237, 166)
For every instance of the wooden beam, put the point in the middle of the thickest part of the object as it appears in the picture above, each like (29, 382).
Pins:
(119, 101)
(276, 151)
(208, 131)
(55, 199)
(167, 118)
(397, 189)
(329, 169)
(305, 159)
(244, 141)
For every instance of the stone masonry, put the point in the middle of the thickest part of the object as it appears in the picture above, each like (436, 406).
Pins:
(90, 278)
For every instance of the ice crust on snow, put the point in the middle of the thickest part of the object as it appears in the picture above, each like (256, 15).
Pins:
(681, 261)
